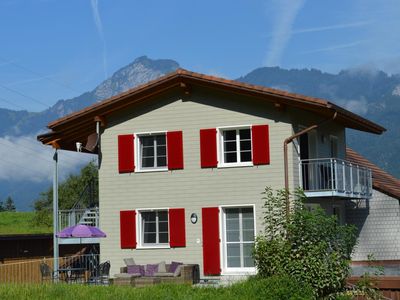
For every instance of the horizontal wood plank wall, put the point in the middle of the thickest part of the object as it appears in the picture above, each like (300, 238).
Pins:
(193, 187)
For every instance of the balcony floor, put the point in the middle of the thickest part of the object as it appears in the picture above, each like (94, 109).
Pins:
(332, 193)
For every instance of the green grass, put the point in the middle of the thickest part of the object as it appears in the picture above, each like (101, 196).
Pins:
(20, 223)
(270, 288)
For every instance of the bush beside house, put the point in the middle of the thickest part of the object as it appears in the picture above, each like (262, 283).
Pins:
(307, 245)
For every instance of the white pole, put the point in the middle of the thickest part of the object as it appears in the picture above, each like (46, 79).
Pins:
(55, 215)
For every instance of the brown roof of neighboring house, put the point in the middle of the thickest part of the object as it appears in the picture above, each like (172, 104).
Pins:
(80, 124)
(381, 181)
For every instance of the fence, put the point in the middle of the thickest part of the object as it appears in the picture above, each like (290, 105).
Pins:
(29, 271)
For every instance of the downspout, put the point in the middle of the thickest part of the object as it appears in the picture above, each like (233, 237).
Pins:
(285, 154)
(98, 144)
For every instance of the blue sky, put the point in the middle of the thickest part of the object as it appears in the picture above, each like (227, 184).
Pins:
(53, 49)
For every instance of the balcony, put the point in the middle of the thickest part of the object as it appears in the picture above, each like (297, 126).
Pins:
(333, 177)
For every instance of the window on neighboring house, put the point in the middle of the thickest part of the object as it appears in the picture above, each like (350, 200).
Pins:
(154, 228)
(235, 146)
(152, 151)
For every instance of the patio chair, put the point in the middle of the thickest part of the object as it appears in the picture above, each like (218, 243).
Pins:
(102, 274)
(46, 272)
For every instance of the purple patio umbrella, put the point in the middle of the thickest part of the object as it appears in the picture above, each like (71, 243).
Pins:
(81, 231)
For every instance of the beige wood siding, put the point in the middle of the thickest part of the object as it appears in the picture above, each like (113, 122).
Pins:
(193, 187)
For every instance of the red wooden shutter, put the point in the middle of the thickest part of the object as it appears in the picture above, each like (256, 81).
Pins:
(177, 232)
(174, 150)
(260, 139)
(211, 254)
(126, 159)
(208, 148)
(127, 220)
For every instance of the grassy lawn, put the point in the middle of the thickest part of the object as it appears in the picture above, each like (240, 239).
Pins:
(271, 288)
(20, 223)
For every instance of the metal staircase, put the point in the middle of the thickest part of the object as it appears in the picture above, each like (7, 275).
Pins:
(84, 211)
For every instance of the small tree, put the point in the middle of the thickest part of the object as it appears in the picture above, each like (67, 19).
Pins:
(1, 206)
(9, 205)
(310, 246)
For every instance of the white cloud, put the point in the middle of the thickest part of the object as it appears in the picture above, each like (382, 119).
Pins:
(285, 13)
(336, 47)
(99, 27)
(25, 159)
(359, 107)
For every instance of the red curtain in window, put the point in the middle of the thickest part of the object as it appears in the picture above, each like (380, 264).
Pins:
(126, 159)
(174, 150)
(260, 140)
(177, 232)
(211, 242)
(128, 229)
(208, 148)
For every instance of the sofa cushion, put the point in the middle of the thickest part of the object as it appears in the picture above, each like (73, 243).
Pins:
(161, 267)
(151, 269)
(178, 271)
(173, 266)
(135, 269)
(164, 274)
(129, 261)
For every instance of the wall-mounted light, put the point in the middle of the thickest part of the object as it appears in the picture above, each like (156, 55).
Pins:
(193, 218)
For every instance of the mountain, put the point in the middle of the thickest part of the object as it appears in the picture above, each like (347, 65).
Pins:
(18, 130)
(374, 95)
(140, 71)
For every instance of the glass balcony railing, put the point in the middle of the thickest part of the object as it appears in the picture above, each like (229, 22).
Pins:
(333, 177)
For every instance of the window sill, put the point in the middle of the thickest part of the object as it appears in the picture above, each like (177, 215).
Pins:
(153, 247)
(151, 170)
(239, 271)
(235, 165)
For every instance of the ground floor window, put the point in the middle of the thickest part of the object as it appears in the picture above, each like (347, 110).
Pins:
(154, 227)
(238, 237)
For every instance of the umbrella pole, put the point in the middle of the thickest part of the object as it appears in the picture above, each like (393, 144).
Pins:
(55, 216)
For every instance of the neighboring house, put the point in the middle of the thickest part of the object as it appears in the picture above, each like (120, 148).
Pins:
(184, 159)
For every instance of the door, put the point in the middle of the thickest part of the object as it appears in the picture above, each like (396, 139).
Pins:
(238, 239)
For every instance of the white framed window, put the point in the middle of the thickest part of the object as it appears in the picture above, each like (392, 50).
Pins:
(235, 146)
(152, 151)
(153, 229)
(238, 234)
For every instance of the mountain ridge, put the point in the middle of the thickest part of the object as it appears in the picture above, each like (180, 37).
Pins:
(372, 94)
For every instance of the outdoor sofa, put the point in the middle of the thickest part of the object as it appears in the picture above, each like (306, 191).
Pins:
(150, 274)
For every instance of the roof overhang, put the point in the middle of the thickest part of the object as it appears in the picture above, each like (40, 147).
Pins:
(76, 127)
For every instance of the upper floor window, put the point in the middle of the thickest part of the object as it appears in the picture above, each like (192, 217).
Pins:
(152, 151)
(236, 146)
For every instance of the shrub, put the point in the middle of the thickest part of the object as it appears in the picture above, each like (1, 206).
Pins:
(310, 246)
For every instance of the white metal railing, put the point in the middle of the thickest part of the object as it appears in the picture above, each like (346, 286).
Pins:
(335, 177)
(72, 217)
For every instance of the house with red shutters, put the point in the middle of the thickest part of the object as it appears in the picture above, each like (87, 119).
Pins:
(183, 160)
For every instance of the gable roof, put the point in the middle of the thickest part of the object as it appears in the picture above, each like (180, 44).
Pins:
(78, 125)
(381, 181)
